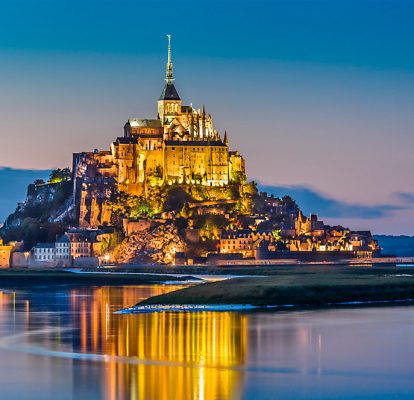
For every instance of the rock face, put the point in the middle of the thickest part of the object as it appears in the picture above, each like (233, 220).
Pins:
(158, 243)
(47, 212)
(45, 203)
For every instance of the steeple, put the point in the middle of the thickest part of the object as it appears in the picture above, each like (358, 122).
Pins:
(169, 70)
(169, 92)
(225, 140)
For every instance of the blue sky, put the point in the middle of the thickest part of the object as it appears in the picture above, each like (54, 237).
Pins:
(317, 95)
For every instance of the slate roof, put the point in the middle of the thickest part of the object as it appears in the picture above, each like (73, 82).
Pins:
(63, 239)
(194, 143)
(126, 140)
(145, 122)
(169, 93)
(45, 246)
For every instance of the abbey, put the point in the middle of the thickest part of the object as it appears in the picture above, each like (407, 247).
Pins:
(180, 146)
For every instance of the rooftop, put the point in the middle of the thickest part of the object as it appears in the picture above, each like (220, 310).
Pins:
(143, 122)
(45, 246)
(195, 143)
(169, 93)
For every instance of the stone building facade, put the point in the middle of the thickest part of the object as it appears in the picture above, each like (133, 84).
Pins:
(5, 253)
(180, 146)
(245, 242)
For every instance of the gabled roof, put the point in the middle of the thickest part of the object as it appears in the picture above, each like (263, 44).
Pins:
(144, 122)
(77, 237)
(63, 239)
(125, 140)
(169, 93)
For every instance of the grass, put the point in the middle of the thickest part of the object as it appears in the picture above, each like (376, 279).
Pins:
(17, 278)
(304, 286)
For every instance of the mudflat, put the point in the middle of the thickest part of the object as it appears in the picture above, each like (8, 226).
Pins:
(302, 286)
(18, 278)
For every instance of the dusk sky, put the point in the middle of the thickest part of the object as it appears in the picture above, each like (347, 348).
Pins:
(317, 95)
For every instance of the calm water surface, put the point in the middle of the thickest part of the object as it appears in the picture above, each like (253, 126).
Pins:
(68, 344)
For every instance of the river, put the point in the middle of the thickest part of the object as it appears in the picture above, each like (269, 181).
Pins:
(67, 343)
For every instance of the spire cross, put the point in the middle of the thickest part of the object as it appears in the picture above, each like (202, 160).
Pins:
(169, 71)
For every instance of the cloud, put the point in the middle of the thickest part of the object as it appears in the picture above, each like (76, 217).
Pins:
(313, 201)
(14, 187)
(406, 197)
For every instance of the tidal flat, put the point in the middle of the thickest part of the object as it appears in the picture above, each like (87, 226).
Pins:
(24, 277)
(319, 286)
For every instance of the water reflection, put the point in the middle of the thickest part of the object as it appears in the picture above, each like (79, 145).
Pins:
(147, 356)
(67, 343)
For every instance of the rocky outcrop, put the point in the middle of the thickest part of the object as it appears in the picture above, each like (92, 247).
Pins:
(158, 244)
(45, 203)
(46, 212)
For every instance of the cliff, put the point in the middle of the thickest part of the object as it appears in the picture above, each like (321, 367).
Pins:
(46, 212)
(158, 243)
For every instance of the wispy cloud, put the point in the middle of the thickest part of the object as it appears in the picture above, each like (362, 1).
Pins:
(311, 200)
(406, 197)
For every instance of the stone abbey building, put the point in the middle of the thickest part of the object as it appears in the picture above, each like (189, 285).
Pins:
(180, 146)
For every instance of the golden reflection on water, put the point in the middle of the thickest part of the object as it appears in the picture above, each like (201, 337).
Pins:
(150, 356)
(167, 355)
(67, 343)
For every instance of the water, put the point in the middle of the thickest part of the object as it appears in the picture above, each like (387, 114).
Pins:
(68, 344)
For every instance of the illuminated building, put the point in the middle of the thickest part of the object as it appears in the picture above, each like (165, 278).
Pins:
(44, 254)
(309, 226)
(244, 242)
(5, 253)
(180, 146)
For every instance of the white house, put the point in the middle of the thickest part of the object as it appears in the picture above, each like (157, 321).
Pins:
(80, 245)
(63, 251)
(44, 254)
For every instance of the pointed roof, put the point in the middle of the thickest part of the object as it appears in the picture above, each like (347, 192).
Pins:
(169, 92)
(169, 70)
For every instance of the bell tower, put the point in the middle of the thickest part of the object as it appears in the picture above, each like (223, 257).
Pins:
(169, 103)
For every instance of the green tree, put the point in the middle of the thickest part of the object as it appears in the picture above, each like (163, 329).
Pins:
(39, 182)
(276, 235)
(186, 211)
(142, 208)
(176, 198)
(58, 175)
(289, 203)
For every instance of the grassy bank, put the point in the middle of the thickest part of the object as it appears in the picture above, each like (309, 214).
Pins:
(319, 286)
(16, 278)
(230, 270)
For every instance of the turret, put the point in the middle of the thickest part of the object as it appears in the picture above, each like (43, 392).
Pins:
(203, 122)
(225, 139)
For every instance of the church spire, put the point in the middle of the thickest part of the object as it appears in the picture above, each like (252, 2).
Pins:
(169, 92)
(169, 70)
